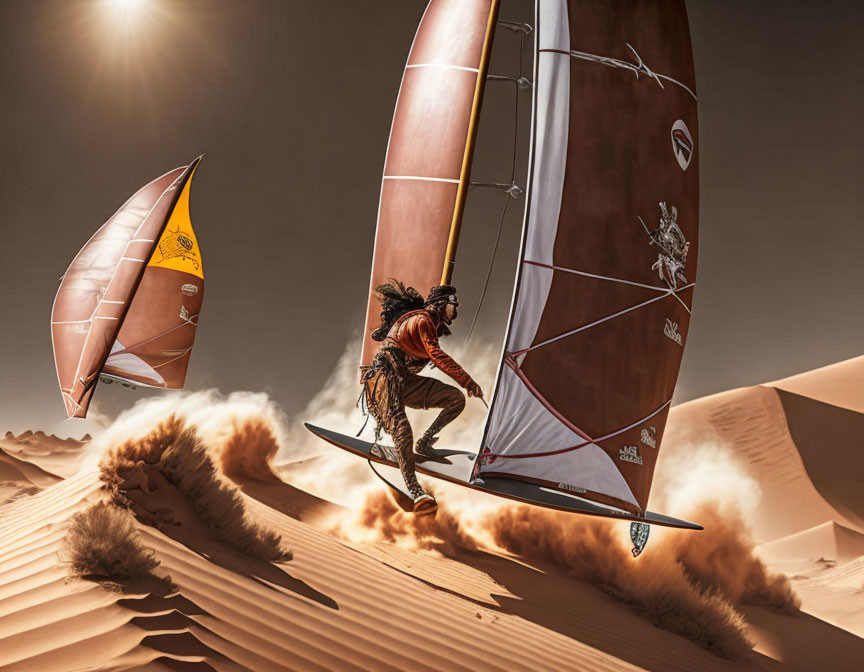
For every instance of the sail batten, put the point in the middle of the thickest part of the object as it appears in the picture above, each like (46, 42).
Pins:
(602, 301)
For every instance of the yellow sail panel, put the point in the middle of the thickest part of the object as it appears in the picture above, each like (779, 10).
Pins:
(178, 248)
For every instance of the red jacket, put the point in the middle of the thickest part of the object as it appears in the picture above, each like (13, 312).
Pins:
(416, 334)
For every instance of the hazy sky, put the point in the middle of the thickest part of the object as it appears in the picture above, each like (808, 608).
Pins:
(291, 101)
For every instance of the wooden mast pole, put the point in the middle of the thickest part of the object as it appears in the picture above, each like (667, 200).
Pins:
(473, 123)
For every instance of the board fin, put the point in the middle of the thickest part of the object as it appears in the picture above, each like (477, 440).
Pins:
(639, 536)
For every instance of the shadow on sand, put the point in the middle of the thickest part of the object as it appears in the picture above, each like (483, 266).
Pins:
(165, 508)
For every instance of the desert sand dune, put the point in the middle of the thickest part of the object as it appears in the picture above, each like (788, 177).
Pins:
(804, 454)
(439, 597)
(19, 477)
(800, 440)
(829, 541)
(61, 457)
(830, 441)
(838, 384)
(337, 605)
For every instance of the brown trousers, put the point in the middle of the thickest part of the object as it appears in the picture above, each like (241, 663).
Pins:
(416, 392)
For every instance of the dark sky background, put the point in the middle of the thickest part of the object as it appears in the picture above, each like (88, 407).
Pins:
(291, 101)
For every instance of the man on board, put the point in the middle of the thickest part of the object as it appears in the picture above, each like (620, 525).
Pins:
(409, 332)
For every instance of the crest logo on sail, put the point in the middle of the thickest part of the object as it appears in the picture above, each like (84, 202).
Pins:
(649, 436)
(670, 329)
(682, 143)
(630, 454)
(668, 236)
(176, 244)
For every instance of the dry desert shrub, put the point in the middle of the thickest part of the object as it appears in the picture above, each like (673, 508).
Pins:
(656, 586)
(249, 451)
(103, 545)
(182, 458)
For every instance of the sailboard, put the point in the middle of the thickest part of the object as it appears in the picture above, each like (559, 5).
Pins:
(127, 308)
(604, 283)
(454, 469)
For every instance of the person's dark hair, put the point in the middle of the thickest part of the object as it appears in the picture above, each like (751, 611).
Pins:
(439, 293)
(396, 300)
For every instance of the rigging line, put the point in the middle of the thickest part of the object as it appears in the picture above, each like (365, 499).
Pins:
(489, 270)
(636, 68)
(681, 301)
(594, 275)
(666, 290)
(509, 193)
(631, 426)
(180, 356)
(130, 348)
(551, 453)
(592, 324)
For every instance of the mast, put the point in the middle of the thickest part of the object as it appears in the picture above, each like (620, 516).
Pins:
(465, 176)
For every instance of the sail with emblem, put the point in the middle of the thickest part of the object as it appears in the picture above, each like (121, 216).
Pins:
(603, 286)
(127, 308)
(607, 269)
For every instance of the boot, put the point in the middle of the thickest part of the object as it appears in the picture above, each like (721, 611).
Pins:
(425, 443)
(424, 503)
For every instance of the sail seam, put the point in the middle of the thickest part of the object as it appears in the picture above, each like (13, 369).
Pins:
(421, 177)
(557, 414)
(129, 349)
(180, 356)
(598, 277)
(511, 362)
(667, 293)
(635, 424)
(448, 66)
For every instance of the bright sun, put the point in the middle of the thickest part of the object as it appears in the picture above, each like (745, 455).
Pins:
(126, 11)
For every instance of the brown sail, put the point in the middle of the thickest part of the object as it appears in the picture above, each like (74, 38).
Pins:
(426, 172)
(602, 305)
(97, 290)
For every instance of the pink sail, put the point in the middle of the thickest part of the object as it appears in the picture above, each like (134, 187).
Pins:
(428, 160)
(99, 287)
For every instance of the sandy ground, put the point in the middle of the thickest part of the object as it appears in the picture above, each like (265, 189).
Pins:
(373, 602)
